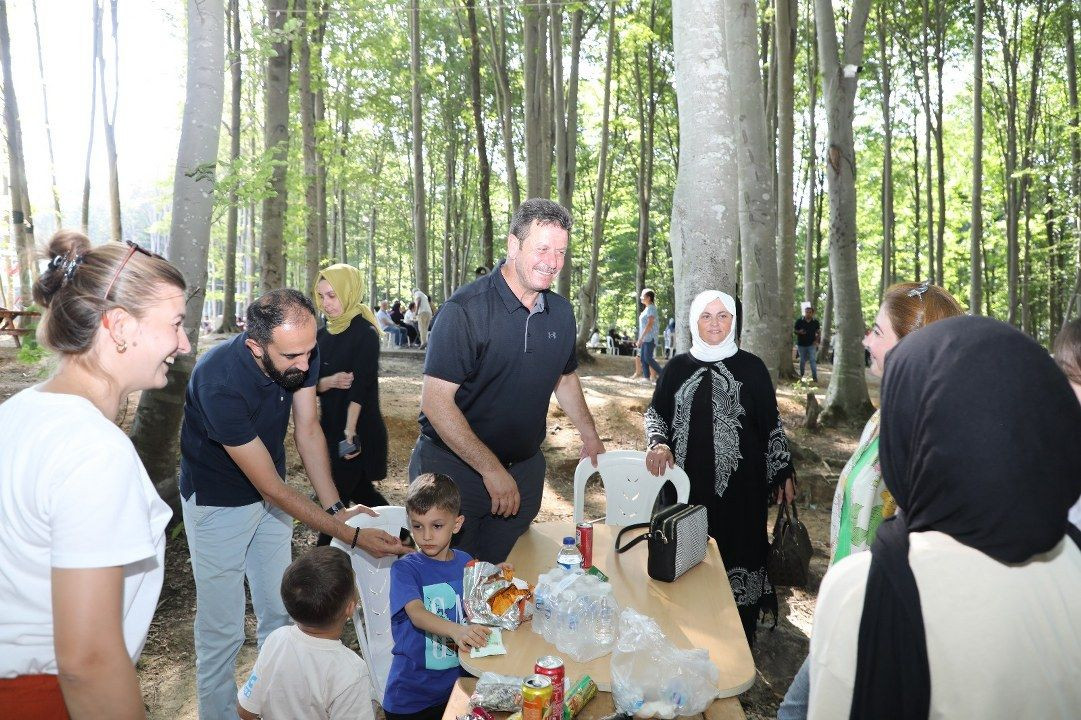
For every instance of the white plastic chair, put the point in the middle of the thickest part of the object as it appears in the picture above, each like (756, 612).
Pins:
(373, 581)
(629, 488)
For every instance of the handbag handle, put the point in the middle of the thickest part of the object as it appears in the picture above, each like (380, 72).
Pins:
(632, 543)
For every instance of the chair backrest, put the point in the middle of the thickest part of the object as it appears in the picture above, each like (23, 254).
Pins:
(629, 488)
(611, 344)
(372, 618)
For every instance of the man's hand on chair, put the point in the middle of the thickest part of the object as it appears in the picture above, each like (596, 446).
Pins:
(379, 543)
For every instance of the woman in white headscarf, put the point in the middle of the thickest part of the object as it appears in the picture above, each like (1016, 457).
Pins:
(714, 413)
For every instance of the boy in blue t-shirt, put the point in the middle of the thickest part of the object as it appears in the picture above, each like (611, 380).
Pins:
(426, 606)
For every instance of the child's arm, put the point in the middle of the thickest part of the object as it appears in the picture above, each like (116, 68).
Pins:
(472, 636)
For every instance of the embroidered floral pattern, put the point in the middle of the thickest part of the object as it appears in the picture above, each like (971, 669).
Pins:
(777, 455)
(748, 585)
(726, 425)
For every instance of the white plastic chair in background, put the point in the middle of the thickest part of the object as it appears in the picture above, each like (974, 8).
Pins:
(373, 581)
(629, 488)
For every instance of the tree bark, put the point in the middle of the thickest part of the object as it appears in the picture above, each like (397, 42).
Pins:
(17, 171)
(276, 138)
(157, 420)
(566, 130)
(537, 100)
(48, 128)
(96, 4)
(420, 221)
(1073, 308)
(228, 312)
(785, 44)
(108, 117)
(504, 99)
(975, 233)
(885, 47)
(646, 97)
(482, 142)
(810, 257)
(307, 130)
(757, 205)
(705, 223)
(589, 290)
(846, 398)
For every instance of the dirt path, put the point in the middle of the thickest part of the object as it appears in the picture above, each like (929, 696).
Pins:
(167, 666)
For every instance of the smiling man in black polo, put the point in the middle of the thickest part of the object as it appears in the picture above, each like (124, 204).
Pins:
(502, 346)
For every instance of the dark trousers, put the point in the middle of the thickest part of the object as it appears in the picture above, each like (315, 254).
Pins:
(483, 535)
(435, 712)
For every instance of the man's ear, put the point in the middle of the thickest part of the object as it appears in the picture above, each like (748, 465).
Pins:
(256, 348)
(513, 246)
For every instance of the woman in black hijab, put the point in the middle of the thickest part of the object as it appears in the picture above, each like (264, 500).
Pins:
(967, 604)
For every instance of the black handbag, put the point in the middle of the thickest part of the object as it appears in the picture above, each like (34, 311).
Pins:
(677, 537)
(789, 559)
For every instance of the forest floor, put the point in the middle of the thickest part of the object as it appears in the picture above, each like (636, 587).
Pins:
(167, 665)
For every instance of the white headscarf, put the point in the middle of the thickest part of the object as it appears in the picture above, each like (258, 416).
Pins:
(702, 350)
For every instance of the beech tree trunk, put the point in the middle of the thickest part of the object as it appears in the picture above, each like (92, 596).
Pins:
(846, 398)
(810, 256)
(1073, 308)
(108, 117)
(482, 143)
(566, 124)
(96, 32)
(228, 304)
(588, 312)
(975, 233)
(646, 102)
(307, 130)
(757, 205)
(23, 242)
(504, 99)
(420, 220)
(48, 128)
(885, 49)
(705, 221)
(785, 43)
(276, 140)
(155, 432)
(537, 100)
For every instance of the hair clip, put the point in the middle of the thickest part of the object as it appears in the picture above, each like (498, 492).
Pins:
(919, 290)
(70, 266)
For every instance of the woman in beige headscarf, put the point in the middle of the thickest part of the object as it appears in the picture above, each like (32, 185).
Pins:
(349, 387)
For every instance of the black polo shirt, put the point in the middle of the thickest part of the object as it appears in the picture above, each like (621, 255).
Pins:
(231, 401)
(507, 360)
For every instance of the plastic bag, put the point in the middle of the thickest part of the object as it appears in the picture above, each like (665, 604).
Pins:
(490, 596)
(498, 693)
(687, 687)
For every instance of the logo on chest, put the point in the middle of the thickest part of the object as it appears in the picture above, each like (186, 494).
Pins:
(551, 334)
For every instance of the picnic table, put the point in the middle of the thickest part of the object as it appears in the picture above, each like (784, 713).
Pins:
(8, 325)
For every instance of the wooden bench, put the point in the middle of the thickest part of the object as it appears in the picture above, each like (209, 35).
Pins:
(8, 320)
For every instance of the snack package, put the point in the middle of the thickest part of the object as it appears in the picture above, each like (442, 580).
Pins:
(494, 646)
(497, 693)
(492, 596)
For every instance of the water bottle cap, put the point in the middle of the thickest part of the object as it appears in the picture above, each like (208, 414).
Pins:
(568, 541)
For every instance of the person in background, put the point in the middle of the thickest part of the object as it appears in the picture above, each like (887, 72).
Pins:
(648, 329)
(669, 338)
(387, 324)
(82, 528)
(348, 387)
(396, 314)
(1067, 350)
(808, 335)
(714, 414)
(410, 317)
(304, 670)
(966, 605)
(424, 315)
(861, 501)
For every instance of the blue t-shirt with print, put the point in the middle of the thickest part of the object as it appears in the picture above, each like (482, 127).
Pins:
(425, 666)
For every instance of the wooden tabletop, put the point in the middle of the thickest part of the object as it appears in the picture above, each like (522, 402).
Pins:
(696, 611)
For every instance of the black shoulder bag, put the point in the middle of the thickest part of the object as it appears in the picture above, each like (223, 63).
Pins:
(677, 537)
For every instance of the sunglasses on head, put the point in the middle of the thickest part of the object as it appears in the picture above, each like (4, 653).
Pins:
(132, 249)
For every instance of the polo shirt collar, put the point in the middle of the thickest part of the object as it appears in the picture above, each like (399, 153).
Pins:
(510, 300)
(247, 361)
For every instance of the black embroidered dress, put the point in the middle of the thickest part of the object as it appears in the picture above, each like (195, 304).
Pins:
(720, 419)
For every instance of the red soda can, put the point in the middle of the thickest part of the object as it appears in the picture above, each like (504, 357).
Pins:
(584, 538)
(552, 667)
(479, 713)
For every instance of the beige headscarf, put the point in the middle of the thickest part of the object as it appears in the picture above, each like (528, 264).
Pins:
(349, 286)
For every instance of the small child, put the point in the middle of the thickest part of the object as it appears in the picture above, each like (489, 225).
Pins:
(303, 670)
(426, 605)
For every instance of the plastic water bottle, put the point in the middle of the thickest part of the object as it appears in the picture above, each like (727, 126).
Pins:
(605, 616)
(569, 557)
(544, 601)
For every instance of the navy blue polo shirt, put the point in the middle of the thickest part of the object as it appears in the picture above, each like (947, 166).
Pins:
(507, 360)
(231, 401)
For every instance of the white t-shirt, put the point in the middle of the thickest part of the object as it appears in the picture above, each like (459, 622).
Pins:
(1003, 641)
(73, 494)
(300, 676)
(423, 306)
(409, 316)
(384, 319)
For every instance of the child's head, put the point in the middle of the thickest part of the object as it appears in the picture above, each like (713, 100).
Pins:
(434, 507)
(319, 588)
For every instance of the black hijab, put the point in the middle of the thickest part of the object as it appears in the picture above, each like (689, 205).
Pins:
(977, 441)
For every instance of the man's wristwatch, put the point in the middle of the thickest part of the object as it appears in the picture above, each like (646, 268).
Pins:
(333, 509)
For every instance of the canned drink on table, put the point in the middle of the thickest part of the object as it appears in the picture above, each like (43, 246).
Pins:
(552, 667)
(479, 713)
(584, 533)
(536, 697)
(579, 696)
